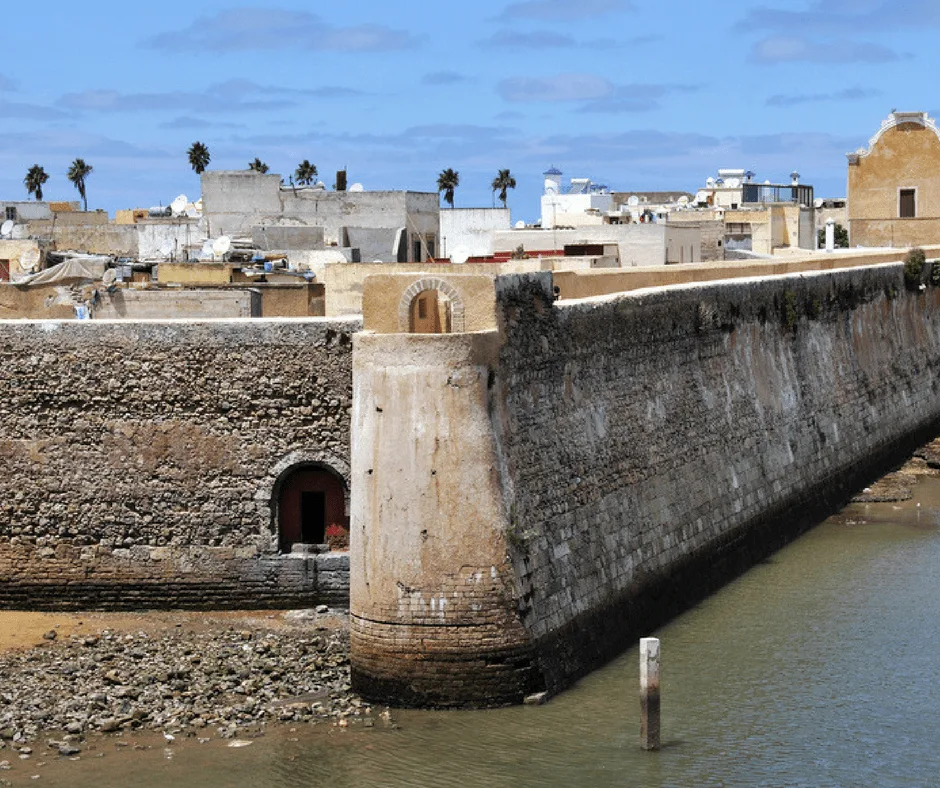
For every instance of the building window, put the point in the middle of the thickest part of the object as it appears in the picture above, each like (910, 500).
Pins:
(11, 214)
(907, 203)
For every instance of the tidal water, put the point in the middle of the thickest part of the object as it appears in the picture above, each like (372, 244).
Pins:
(820, 667)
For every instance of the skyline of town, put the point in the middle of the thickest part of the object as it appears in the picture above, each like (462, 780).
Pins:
(638, 97)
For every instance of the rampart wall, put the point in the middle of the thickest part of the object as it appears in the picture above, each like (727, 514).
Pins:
(141, 461)
(531, 500)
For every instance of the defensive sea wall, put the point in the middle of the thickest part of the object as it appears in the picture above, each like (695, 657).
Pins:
(528, 500)
(142, 460)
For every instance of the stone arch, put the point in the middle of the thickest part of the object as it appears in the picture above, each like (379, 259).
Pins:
(457, 314)
(269, 493)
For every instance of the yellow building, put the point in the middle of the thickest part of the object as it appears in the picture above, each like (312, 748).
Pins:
(894, 184)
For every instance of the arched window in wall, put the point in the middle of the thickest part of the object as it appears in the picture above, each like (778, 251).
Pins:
(311, 498)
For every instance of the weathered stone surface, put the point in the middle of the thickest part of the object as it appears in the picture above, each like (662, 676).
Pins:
(140, 459)
(641, 449)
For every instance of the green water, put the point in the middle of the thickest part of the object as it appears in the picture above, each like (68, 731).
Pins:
(820, 667)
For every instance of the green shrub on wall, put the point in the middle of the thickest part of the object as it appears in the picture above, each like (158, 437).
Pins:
(914, 269)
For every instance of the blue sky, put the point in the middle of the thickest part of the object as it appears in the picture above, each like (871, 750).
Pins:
(638, 95)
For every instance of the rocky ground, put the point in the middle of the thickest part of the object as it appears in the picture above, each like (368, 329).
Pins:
(896, 486)
(224, 678)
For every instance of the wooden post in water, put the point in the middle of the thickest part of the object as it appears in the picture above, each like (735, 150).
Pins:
(649, 693)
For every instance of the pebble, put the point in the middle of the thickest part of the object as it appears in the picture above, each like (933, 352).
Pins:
(224, 680)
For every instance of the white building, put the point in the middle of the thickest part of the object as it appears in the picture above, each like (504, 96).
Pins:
(469, 232)
(582, 204)
(725, 191)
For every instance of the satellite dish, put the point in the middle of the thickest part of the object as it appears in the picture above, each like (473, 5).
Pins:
(520, 225)
(356, 187)
(178, 205)
(683, 200)
(320, 185)
(221, 245)
(7, 228)
(29, 259)
(551, 187)
(633, 201)
(459, 255)
(166, 249)
(206, 253)
(109, 278)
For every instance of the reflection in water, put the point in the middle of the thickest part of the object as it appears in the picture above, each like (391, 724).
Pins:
(817, 668)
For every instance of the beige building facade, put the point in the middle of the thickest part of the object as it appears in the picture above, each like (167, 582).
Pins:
(894, 184)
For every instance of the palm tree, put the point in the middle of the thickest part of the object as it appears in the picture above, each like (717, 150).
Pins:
(502, 183)
(77, 174)
(306, 173)
(258, 166)
(34, 180)
(198, 157)
(447, 181)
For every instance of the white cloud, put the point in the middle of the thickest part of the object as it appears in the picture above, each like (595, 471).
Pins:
(797, 49)
(561, 87)
(231, 96)
(848, 94)
(244, 29)
(17, 109)
(563, 9)
(516, 39)
(844, 16)
(443, 78)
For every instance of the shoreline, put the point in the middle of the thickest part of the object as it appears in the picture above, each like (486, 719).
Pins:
(78, 683)
(191, 676)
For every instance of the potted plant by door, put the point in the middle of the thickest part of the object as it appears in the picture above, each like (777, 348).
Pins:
(337, 537)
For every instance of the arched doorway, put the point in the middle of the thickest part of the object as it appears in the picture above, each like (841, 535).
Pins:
(442, 310)
(311, 499)
(430, 313)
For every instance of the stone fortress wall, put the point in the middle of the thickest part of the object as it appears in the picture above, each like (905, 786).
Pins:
(525, 499)
(141, 461)
(528, 501)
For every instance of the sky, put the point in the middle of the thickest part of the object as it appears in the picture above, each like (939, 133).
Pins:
(635, 94)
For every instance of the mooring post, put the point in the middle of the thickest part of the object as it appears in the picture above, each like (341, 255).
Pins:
(649, 693)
